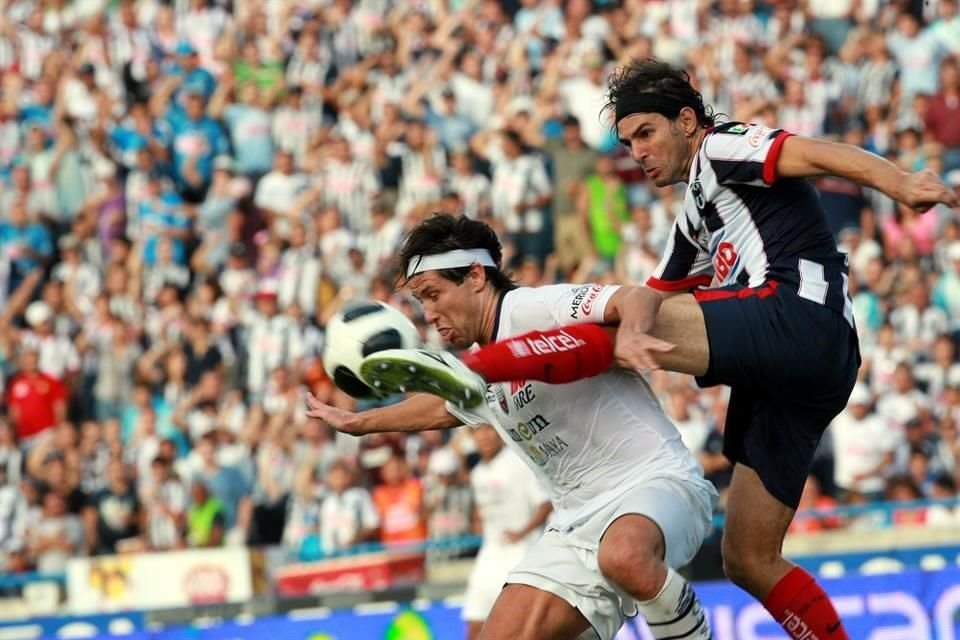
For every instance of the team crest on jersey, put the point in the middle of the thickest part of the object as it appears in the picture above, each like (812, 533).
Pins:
(698, 197)
(501, 398)
(703, 239)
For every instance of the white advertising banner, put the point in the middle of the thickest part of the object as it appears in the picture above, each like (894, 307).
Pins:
(159, 580)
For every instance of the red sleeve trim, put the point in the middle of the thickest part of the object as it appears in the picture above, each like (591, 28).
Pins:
(770, 163)
(678, 285)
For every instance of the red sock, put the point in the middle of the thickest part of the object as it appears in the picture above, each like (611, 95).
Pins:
(802, 608)
(557, 356)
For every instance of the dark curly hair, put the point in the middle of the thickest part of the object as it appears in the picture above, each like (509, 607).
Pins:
(649, 78)
(443, 232)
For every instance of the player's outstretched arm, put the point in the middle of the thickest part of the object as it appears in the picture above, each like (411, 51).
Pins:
(420, 412)
(808, 157)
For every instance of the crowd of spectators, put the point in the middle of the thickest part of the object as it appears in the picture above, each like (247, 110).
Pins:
(190, 189)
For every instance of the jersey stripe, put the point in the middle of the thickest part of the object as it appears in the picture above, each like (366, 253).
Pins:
(678, 285)
(770, 163)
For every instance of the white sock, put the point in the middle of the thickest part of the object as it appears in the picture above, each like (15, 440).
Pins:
(676, 611)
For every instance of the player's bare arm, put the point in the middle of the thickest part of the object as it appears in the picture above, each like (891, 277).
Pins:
(536, 521)
(419, 412)
(807, 157)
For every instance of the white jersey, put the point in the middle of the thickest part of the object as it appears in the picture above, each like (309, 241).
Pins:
(588, 441)
(507, 495)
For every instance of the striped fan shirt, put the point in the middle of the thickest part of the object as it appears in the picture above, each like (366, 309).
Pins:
(742, 225)
(352, 187)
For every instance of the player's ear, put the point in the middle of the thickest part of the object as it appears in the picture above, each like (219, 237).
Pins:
(688, 121)
(477, 277)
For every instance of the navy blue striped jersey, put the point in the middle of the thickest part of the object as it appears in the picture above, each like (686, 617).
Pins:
(742, 225)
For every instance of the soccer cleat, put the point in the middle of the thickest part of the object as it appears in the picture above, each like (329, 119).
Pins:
(437, 372)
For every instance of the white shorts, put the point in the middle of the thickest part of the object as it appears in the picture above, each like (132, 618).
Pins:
(488, 576)
(565, 563)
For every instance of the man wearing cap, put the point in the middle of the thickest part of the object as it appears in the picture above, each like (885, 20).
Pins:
(274, 340)
(197, 140)
(188, 70)
(57, 355)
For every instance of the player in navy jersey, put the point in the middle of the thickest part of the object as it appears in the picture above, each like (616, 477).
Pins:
(751, 293)
(775, 322)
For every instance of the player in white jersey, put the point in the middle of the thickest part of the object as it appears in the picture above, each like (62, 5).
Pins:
(751, 293)
(631, 504)
(511, 509)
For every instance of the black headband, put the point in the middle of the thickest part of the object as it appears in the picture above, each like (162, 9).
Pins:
(648, 102)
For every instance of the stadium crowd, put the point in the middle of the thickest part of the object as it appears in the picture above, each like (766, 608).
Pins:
(190, 189)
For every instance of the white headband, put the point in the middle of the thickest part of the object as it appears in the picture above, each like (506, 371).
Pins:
(449, 260)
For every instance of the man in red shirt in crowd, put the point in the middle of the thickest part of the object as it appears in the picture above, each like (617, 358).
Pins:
(36, 401)
(942, 118)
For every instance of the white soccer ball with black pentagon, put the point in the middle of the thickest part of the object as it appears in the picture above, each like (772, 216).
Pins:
(359, 329)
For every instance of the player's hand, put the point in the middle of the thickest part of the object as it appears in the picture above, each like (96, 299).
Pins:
(341, 420)
(924, 189)
(512, 537)
(637, 351)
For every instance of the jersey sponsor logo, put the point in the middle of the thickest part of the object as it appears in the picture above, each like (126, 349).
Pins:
(725, 260)
(526, 430)
(523, 395)
(756, 138)
(696, 190)
(583, 300)
(525, 347)
(541, 452)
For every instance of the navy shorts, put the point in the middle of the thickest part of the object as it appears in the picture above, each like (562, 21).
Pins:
(790, 364)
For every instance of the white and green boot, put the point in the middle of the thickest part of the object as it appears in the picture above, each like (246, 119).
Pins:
(420, 370)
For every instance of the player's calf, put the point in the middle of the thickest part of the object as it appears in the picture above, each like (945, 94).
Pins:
(752, 538)
(523, 612)
(556, 356)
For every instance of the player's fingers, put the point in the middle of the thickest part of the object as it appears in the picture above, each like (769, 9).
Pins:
(645, 363)
(317, 411)
(320, 411)
(662, 345)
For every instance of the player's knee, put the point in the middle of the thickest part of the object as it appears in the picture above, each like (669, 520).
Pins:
(635, 571)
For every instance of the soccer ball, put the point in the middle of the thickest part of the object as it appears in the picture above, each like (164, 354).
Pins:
(359, 329)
